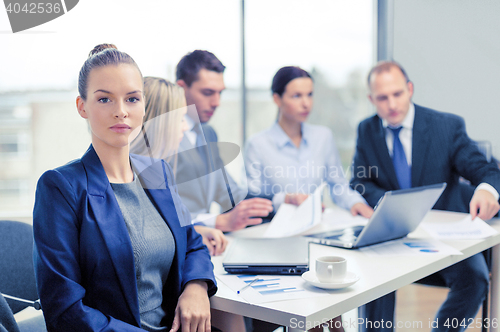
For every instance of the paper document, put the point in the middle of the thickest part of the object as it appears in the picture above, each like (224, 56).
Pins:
(270, 288)
(460, 230)
(291, 220)
(410, 247)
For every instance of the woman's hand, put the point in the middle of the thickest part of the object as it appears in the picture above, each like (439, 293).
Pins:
(214, 239)
(193, 309)
(362, 209)
(295, 199)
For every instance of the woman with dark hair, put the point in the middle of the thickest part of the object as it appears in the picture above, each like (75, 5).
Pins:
(290, 160)
(114, 246)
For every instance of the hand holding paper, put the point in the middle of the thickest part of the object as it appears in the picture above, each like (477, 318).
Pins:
(292, 220)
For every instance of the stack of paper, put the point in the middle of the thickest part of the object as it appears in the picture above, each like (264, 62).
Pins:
(291, 220)
(460, 230)
(270, 288)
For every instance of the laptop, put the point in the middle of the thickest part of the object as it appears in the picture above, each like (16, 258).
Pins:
(289, 256)
(397, 213)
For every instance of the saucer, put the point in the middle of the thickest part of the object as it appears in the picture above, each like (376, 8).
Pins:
(350, 279)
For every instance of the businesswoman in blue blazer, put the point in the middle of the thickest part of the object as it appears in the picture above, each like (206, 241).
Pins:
(114, 249)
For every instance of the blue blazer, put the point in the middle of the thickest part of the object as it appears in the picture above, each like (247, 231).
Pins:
(83, 256)
(441, 152)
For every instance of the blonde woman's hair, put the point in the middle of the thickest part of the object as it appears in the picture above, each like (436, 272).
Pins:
(165, 107)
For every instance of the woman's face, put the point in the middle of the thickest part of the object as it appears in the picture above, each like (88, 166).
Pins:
(296, 102)
(114, 105)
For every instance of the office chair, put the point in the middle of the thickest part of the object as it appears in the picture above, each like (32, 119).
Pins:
(9, 324)
(17, 280)
(7, 321)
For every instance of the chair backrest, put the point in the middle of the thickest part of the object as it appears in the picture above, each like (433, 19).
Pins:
(7, 321)
(17, 277)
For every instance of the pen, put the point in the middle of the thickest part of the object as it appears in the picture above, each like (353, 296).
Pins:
(247, 285)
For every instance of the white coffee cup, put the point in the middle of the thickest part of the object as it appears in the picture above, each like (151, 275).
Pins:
(331, 269)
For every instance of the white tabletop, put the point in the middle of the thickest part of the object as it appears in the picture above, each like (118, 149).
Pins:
(379, 276)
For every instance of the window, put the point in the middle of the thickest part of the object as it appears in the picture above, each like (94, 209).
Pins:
(333, 40)
(14, 194)
(14, 144)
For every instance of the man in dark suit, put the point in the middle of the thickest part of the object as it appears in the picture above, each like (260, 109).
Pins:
(405, 145)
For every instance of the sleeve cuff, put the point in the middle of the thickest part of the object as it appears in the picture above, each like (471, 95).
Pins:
(357, 200)
(205, 219)
(278, 199)
(489, 188)
(347, 198)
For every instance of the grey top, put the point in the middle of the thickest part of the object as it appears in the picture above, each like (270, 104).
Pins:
(154, 249)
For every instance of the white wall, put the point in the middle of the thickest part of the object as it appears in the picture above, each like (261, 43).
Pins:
(451, 51)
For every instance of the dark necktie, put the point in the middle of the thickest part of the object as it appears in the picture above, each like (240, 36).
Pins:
(201, 144)
(202, 148)
(403, 171)
(207, 156)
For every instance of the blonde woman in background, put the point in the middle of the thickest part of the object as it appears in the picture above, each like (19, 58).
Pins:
(164, 128)
(163, 122)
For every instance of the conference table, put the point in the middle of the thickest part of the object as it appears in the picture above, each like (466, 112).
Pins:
(378, 276)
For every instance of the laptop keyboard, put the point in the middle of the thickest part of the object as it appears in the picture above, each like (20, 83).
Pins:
(346, 234)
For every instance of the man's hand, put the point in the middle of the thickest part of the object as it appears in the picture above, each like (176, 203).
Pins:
(193, 309)
(361, 209)
(214, 239)
(295, 199)
(487, 205)
(243, 213)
